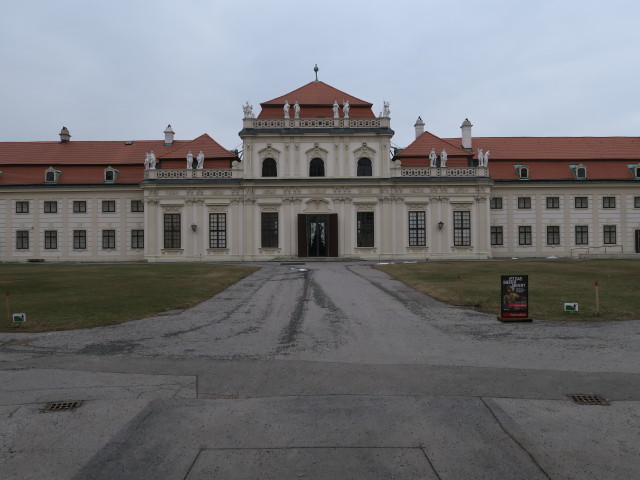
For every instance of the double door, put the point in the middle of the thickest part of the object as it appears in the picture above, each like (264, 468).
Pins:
(318, 235)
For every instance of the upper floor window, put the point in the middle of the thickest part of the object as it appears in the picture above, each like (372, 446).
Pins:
(269, 168)
(523, 172)
(524, 202)
(495, 203)
(553, 202)
(22, 207)
(79, 206)
(137, 206)
(608, 202)
(51, 207)
(364, 168)
(109, 206)
(316, 168)
(582, 202)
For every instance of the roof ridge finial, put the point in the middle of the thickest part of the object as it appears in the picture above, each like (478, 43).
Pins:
(315, 69)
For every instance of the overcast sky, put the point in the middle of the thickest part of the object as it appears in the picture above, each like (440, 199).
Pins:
(122, 70)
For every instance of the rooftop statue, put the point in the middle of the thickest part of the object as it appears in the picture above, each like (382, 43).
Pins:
(296, 110)
(345, 108)
(248, 110)
(287, 108)
(433, 158)
(336, 109)
(189, 160)
(200, 159)
(443, 158)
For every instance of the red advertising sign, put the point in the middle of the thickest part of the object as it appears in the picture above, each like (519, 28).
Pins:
(514, 296)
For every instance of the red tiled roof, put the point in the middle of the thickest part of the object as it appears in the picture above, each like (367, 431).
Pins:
(417, 154)
(316, 100)
(84, 162)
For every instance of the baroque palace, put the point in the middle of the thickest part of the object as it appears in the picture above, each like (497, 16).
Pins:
(317, 177)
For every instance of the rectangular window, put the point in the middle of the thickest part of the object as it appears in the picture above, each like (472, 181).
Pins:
(137, 238)
(109, 206)
(51, 207)
(269, 229)
(79, 239)
(495, 203)
(553, 235)
(636, 202)
(417, 229)
(217, 230)
(137, 206)
(22, 239)
(365, 229)
(79, 206)
(582, 235)
(582, 202)
(172, 230)
(553, 202)
(462, 229)
(608, 202)
(50, 239)
(496, 236)
(108, 239)
(524, 235)
(22, 207)
(609, 234)
(524, 202)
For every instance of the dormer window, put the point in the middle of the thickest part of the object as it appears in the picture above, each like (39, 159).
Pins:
(635, 170)
(110, 175)
(51, 175)
(523, 172)
(579, 171)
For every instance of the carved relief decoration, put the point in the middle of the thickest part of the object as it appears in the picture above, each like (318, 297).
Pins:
(317, 152)
(269, 152)
(317, 205)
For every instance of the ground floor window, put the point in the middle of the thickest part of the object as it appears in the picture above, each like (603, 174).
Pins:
(79, 239)
(609, 234)
(462, 229)
(582, 235)
(172, 231)
(108, 239)
(269, 229)
(217, 230)
(22, 239)
(553, 235)
(417, 229)
(524, 235)
(50, 239)
(365, 231)
(137, 238)
(496, 235)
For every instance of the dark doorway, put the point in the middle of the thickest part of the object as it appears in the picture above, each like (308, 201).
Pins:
(637, 241)
(318, 235)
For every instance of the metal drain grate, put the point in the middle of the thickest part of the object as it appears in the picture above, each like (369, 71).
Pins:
(61, 406)
(588, 399)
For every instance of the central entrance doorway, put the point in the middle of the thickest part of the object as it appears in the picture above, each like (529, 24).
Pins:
(318, 235)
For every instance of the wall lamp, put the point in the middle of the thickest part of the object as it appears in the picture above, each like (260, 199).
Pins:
(440, 225)
(194, 227)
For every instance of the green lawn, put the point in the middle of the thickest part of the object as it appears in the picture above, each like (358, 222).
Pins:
(551, 283)
(62, 297)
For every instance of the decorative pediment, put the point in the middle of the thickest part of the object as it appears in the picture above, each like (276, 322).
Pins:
(317, 205)
(269, 152)
(317, 152)
(364, 152)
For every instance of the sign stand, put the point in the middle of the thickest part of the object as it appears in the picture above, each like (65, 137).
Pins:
(514, 298)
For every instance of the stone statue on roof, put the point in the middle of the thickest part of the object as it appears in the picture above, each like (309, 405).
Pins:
(189, 160)
(150, 161)
(443, 158)
(200, 159)
(386, 113)
(248, 110)
(296, 110)
(480, 158)
(336, 109)
(433, 158)
(486, 158)
(286, 107)
(345, 108)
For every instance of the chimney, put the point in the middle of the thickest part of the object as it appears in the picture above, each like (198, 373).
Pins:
(419, 126)
(466, 134)
(168, 136)
(65, 136)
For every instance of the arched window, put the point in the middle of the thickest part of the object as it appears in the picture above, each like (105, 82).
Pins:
(523, 172)
(269, 168)
(316, 168)
(364, 167)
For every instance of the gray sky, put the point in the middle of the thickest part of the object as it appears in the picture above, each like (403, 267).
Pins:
(122, 70)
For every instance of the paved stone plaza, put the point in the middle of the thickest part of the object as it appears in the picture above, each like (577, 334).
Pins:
(322, 371)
